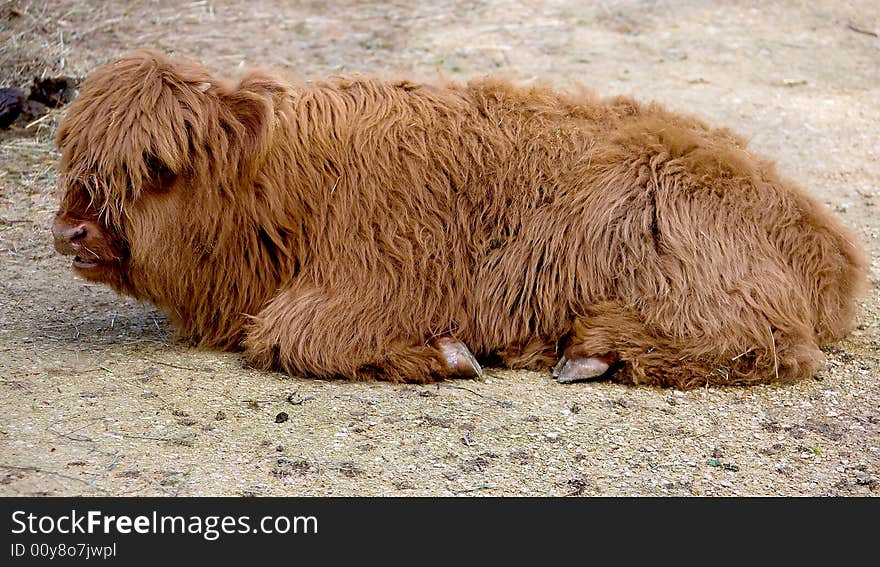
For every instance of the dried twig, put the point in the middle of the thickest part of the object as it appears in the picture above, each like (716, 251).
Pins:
(775, 360)
(205, 369)
(502, 403)
(861, 31)
(115, 460)
(38, 470)
(70, 434)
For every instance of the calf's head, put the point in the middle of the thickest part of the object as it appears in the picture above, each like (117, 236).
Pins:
(155, 154)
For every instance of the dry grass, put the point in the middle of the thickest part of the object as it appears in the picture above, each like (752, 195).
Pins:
(31, 43)
(37, 36)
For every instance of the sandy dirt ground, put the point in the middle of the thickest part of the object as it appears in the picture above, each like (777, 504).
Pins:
(96, 397)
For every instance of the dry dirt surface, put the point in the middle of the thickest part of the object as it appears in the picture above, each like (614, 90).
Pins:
(96, 397)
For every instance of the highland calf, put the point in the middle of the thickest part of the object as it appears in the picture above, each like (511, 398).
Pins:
(366, 228)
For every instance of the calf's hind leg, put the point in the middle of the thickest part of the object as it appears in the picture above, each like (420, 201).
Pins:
(308, 331)
(612, 339)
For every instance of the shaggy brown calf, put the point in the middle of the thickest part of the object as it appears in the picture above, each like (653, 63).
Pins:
(366, 228)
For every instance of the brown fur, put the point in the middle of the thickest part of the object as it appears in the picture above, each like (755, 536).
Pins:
(333, 228)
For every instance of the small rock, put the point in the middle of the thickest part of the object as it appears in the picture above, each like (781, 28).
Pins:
(54, 91)
(12, 102)
(295, 399)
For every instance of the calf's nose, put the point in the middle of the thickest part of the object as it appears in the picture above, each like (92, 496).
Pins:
(67, 233)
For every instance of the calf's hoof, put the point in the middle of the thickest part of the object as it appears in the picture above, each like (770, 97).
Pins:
(578, 369)
(459, 360)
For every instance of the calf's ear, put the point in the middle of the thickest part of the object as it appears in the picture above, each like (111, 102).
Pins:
(254, 105)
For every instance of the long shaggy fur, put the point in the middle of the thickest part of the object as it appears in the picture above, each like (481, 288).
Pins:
(333, 228)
